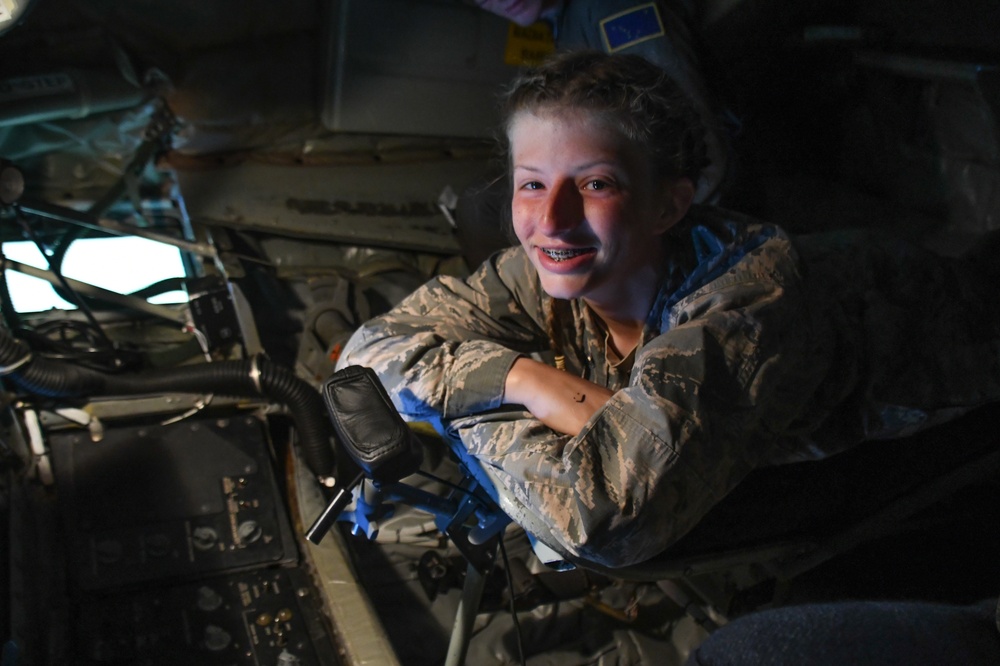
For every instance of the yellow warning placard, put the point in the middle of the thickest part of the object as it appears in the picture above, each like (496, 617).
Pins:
(527, 46)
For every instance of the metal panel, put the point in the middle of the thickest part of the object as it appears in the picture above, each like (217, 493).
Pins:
(383, 205)
(414, 67)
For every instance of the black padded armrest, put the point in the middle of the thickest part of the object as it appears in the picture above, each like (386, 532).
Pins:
(368, 425)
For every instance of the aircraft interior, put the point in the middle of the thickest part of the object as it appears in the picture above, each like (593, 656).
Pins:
(170, 480)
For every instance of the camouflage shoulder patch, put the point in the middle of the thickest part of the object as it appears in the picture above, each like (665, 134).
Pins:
(630, 27)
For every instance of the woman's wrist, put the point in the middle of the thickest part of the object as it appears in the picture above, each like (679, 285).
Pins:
(562, 401)
(519, 377)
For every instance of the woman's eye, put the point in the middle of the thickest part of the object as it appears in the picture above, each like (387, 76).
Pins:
(597, 185)
(532, 185)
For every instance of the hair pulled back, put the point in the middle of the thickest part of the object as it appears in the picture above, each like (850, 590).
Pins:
(635, 96)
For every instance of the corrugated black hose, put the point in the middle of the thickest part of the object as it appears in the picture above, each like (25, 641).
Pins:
(245, 378)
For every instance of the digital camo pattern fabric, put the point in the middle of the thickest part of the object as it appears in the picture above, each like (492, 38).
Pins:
(750, 356)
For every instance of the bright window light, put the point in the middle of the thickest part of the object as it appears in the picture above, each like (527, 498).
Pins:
(122, 264)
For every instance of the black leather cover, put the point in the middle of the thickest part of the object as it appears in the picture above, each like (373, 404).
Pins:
(368, 425)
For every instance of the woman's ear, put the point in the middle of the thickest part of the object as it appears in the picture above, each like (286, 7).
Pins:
(678, 193)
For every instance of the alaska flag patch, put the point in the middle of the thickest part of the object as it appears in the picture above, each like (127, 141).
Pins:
(631, 27)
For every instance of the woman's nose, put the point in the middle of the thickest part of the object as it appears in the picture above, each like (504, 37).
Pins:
(563, 209)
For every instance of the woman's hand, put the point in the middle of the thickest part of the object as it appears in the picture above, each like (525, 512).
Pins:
(558, 399)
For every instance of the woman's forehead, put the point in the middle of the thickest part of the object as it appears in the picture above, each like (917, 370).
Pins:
(563, 119)
(557, 113)
(574, 128)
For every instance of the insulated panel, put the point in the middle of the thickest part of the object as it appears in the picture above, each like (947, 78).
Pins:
(414, 67)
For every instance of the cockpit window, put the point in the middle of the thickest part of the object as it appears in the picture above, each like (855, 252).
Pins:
(121, 264)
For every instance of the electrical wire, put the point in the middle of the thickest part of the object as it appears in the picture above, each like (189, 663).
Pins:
(445, 482)
(7, 312)
(80, 302)
(205, 399)
(74, 341)
(513, 610)
(200, 404)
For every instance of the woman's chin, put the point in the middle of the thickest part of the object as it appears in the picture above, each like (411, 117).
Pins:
(561, 287)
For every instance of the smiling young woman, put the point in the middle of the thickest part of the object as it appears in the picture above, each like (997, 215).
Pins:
(628, 364)
(590, 212)
(591, 215)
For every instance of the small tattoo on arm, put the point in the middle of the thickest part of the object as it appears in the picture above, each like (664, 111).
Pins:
(579, 397)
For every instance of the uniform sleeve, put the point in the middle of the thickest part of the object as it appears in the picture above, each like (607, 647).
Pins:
(704, 401)
(446, 349)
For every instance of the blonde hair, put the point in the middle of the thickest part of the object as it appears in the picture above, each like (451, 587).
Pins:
(630, 93)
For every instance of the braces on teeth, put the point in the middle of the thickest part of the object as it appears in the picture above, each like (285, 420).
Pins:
(562, 255)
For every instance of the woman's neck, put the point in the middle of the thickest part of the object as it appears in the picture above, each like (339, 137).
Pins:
(625, 321)
(625, 310)
(623, 336)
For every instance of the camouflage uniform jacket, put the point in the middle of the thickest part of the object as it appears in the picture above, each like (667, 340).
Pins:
(741, 364)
